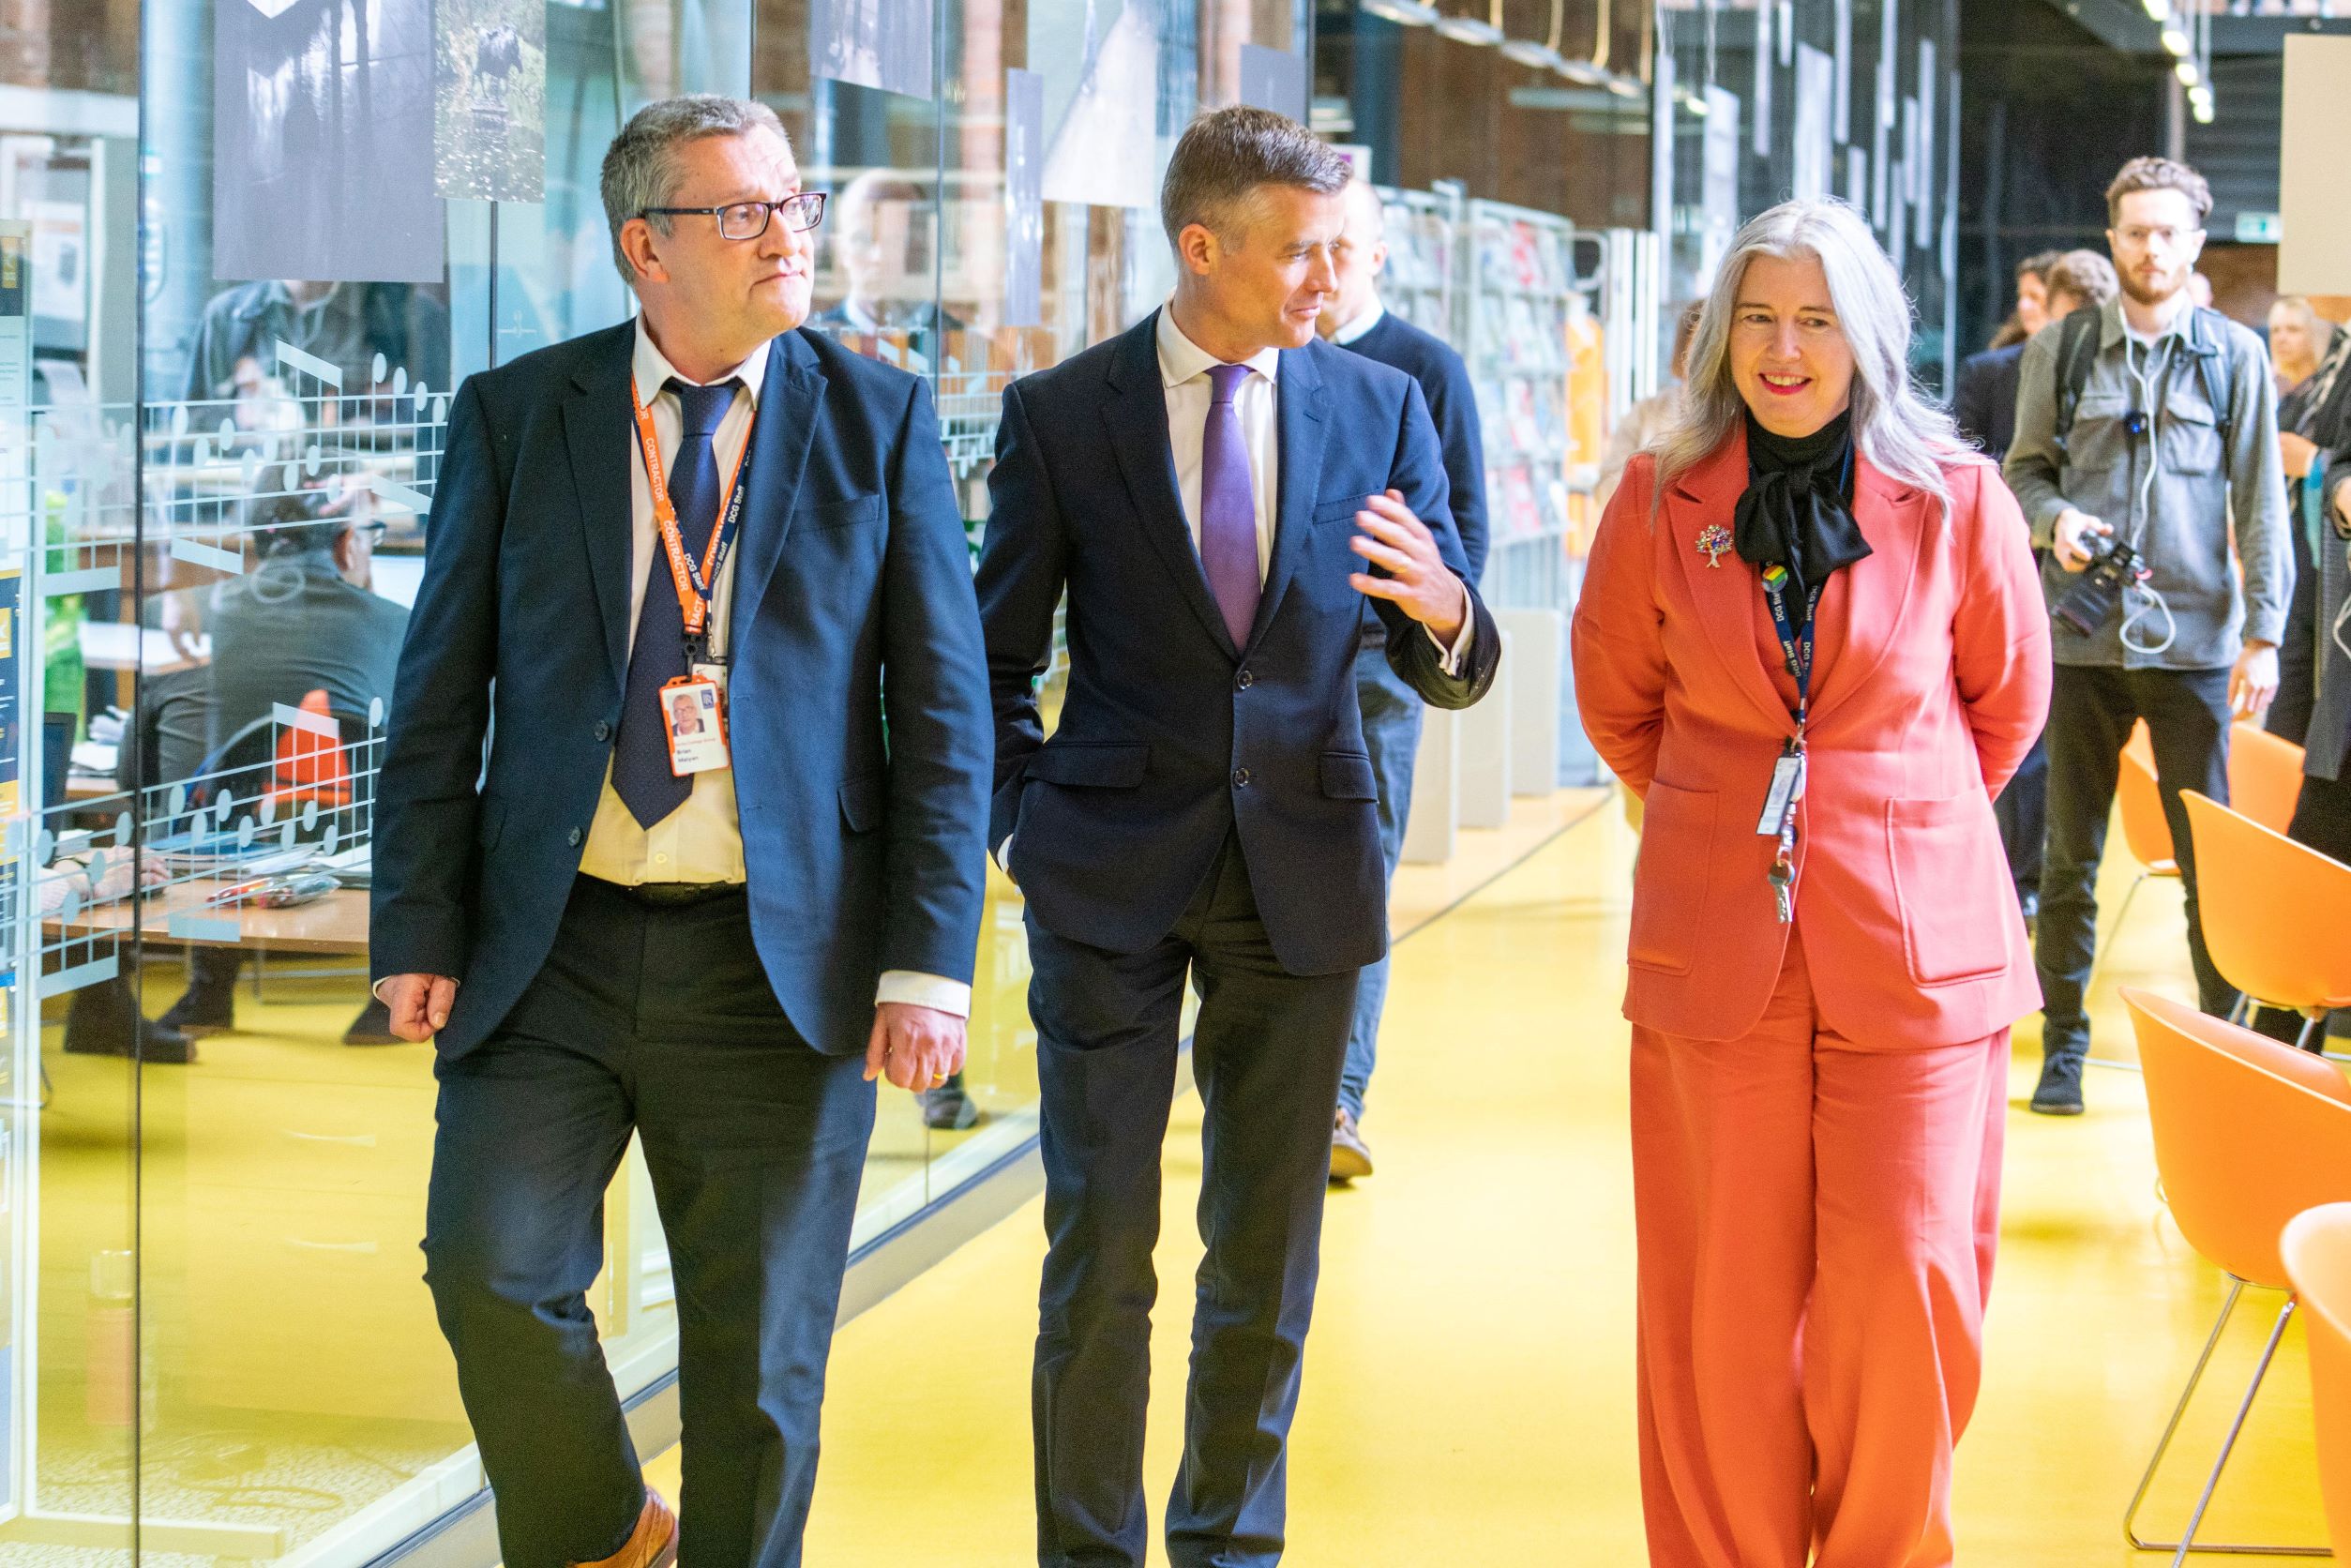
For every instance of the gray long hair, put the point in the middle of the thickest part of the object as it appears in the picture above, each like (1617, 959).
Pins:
(1895, 427)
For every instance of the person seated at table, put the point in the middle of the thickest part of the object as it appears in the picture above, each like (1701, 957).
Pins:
(164, 739)
(346, 325)
(303, 620)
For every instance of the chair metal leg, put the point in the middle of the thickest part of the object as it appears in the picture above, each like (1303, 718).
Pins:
(2098, 961)
(2313, 1033)
(2240, 1012)
(2122, 912)
(2188, 1543)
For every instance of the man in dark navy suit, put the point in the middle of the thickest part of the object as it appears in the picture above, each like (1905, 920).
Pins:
(617, 930)
(1355, 319)
(1219, 494)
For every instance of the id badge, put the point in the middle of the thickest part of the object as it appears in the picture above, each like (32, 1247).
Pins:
(1788, 788)
(694, 716)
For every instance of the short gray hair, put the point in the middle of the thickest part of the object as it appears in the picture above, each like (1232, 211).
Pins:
(1895, 427)
(1223, 157)
(640, 167)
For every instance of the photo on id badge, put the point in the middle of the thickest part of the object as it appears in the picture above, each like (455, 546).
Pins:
(697, 734)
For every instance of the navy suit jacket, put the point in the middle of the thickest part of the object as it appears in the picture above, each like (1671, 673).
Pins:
(1984, 403)
(1171, 738)
(1453, 407)
(852, 610)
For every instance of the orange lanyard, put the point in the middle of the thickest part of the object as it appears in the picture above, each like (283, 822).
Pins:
(693, 579)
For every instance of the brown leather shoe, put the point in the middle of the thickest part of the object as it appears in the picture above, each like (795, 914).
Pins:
(654, 1544)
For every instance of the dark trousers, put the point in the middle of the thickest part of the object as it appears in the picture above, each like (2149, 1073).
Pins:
(1265, 1052)
(658, 1022)
(1391, 732)
(2091, 715)
(2022, 812)
(2322, 821)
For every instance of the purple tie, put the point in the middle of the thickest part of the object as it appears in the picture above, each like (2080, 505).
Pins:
(1228, 508)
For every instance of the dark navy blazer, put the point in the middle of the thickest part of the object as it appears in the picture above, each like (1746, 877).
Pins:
(1453, 408)
(853, 606)
(1984, 403)
(1171, 738)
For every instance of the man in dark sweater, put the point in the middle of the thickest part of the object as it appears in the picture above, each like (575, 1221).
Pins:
(303, 620)
(1355, 319)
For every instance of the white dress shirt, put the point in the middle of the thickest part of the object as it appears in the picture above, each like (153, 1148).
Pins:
(1184, 368)
(1361, 325)
(702, 841)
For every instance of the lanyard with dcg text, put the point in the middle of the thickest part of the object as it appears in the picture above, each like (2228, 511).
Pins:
(692, 579)
(1788, 772)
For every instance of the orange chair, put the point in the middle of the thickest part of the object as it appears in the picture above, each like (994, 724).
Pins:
(2317, 1250)
(2274, 914)
(311, 764)
(2265, 776)
(2248, 1134)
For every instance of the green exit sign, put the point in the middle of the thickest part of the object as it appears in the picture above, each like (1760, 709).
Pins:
(2258, 228)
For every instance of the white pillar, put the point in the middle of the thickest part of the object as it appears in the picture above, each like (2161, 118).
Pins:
(1428, 833)
(1537, 640)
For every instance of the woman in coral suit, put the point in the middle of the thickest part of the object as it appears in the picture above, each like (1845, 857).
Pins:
(1811, 639)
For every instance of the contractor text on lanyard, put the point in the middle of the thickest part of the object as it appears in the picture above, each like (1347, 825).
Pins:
(694, 579)
(1788, 772)
(693, 713)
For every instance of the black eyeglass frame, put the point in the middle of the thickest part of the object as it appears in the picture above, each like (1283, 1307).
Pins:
(811, 201)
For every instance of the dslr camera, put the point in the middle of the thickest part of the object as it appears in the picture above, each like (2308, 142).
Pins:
(2093, 597)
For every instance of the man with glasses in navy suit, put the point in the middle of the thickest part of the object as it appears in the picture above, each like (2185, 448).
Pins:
(1220, 495)
(713, 936)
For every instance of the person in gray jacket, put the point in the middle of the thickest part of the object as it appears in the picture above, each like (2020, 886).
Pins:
(2145, 438)
(2148, 441)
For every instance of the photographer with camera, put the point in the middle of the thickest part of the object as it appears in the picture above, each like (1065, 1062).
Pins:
(2146, 436)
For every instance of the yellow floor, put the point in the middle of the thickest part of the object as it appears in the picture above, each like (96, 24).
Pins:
(1468, 1392)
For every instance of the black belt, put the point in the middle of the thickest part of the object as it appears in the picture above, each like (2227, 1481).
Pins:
(668, 894)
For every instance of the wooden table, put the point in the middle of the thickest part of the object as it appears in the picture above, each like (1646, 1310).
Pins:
(336, 924)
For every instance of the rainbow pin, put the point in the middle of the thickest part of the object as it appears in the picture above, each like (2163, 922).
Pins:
(1775, 578)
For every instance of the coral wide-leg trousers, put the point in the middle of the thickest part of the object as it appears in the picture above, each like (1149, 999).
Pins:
(1816, 1222)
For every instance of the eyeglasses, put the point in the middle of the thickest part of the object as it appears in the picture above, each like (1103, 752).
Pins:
(749, 219)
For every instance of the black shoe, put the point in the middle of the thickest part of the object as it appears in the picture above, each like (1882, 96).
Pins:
(948, 1110)
(202, 1010)
(104, 1021)
(2059, 1092)
(372, 1027)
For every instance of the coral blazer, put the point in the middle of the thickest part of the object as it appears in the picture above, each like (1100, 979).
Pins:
(1930, 682)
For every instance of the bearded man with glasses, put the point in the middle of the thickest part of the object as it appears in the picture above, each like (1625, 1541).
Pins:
(714, 942)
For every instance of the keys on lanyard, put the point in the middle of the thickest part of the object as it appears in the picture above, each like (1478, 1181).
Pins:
(692, 579)
(1788, 772)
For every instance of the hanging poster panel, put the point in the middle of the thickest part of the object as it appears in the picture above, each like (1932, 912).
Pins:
(1274, 79)
(489, 99)
(1719, 193)
(1815, 142)
(1024, 197)
(1100, 62)
(872, 43)
(1762, 94)
(323, 138)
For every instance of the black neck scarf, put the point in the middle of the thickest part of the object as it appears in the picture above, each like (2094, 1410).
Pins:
(1797, 508)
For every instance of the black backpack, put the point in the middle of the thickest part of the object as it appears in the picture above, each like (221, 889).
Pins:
(2207, 339)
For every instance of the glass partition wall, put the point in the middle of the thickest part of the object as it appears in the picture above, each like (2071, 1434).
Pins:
(247, 251)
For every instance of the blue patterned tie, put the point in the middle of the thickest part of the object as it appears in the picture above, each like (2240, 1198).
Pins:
(641, 756)
(1228, 508)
